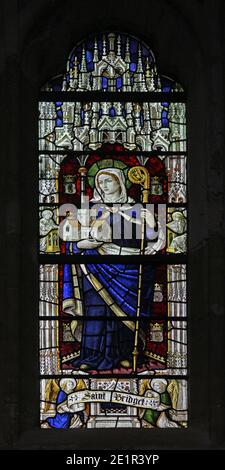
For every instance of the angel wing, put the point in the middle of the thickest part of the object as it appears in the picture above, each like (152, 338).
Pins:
(81, 385)
(143, 389)
(173, 389)
(51, 392)
(144, 385)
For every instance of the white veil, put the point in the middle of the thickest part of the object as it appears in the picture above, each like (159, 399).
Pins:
(99, 195)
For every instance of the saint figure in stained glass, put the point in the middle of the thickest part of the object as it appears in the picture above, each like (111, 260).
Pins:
(111, 291)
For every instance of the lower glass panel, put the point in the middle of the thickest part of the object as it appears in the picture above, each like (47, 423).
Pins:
(113, 403)
(90, 332)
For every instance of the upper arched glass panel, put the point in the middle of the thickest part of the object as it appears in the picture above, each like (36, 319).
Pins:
(112, 62)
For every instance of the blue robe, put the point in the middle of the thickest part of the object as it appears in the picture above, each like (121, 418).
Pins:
(106, 342)
(62, 420)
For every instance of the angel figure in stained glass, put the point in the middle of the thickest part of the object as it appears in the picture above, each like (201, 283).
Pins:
(64, 418)
(49, 241)
(168, 393)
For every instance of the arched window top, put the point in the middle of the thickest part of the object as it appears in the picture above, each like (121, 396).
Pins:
(112, 62)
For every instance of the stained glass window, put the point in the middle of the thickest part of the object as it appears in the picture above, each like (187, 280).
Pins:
(113, 241)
